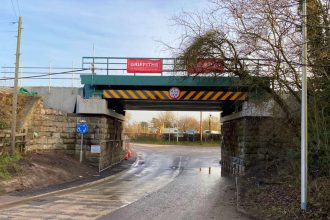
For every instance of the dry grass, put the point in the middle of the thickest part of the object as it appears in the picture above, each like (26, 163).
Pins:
(277, 195)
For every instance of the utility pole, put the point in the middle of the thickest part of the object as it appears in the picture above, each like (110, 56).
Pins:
(304, 132)
(14, 109)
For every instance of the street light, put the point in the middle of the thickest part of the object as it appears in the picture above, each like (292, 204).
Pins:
(304, 113)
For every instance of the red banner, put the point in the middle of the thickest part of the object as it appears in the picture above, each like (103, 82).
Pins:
(144, 66)
(207, 66)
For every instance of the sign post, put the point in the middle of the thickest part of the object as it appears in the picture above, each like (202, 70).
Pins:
(82, 128)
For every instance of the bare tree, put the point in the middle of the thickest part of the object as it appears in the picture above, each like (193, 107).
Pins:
(167, 119)
(260, 42)
(188, 122)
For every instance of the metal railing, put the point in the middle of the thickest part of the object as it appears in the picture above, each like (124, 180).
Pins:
(118, 65)
(69, 76)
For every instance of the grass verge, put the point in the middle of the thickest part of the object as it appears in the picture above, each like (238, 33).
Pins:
(277, 196)
(7, 162)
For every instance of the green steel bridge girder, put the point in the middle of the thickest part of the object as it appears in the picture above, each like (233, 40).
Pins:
(95, 84)
(119, 80)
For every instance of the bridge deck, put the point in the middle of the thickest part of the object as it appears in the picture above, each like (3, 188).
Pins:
(146, 92)
(160, 81)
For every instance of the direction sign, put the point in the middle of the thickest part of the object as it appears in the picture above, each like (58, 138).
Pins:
(82, 128)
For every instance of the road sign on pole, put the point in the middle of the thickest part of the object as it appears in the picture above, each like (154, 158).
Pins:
(82, 128)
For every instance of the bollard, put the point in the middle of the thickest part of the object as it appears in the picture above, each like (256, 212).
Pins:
(200, 169)
(209, 170)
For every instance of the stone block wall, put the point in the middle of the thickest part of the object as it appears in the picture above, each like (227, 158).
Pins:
(254, 140)
(50, 129)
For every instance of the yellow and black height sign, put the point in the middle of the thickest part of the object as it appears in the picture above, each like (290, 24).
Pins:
(182, 96)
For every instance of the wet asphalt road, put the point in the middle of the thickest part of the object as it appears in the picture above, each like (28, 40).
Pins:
(165, 183)
(192, 194)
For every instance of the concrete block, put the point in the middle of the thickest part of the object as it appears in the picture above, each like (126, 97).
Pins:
(95, 106)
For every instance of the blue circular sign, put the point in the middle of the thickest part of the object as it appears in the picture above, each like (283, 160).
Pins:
(82, 128)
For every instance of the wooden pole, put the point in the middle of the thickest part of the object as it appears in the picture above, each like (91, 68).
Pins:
(14, 109)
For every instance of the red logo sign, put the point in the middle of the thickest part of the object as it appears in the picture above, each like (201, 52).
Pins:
(144, 66)
(207, 66)
(174, 93)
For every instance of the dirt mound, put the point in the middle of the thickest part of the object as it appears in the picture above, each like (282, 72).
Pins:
(41, 169)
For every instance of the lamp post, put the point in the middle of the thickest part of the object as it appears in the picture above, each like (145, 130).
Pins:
(304, 134)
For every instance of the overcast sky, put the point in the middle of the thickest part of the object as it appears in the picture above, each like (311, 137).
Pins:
(60, 32)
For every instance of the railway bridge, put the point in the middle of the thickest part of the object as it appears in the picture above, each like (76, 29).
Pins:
(112, 85)
(120, 84)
